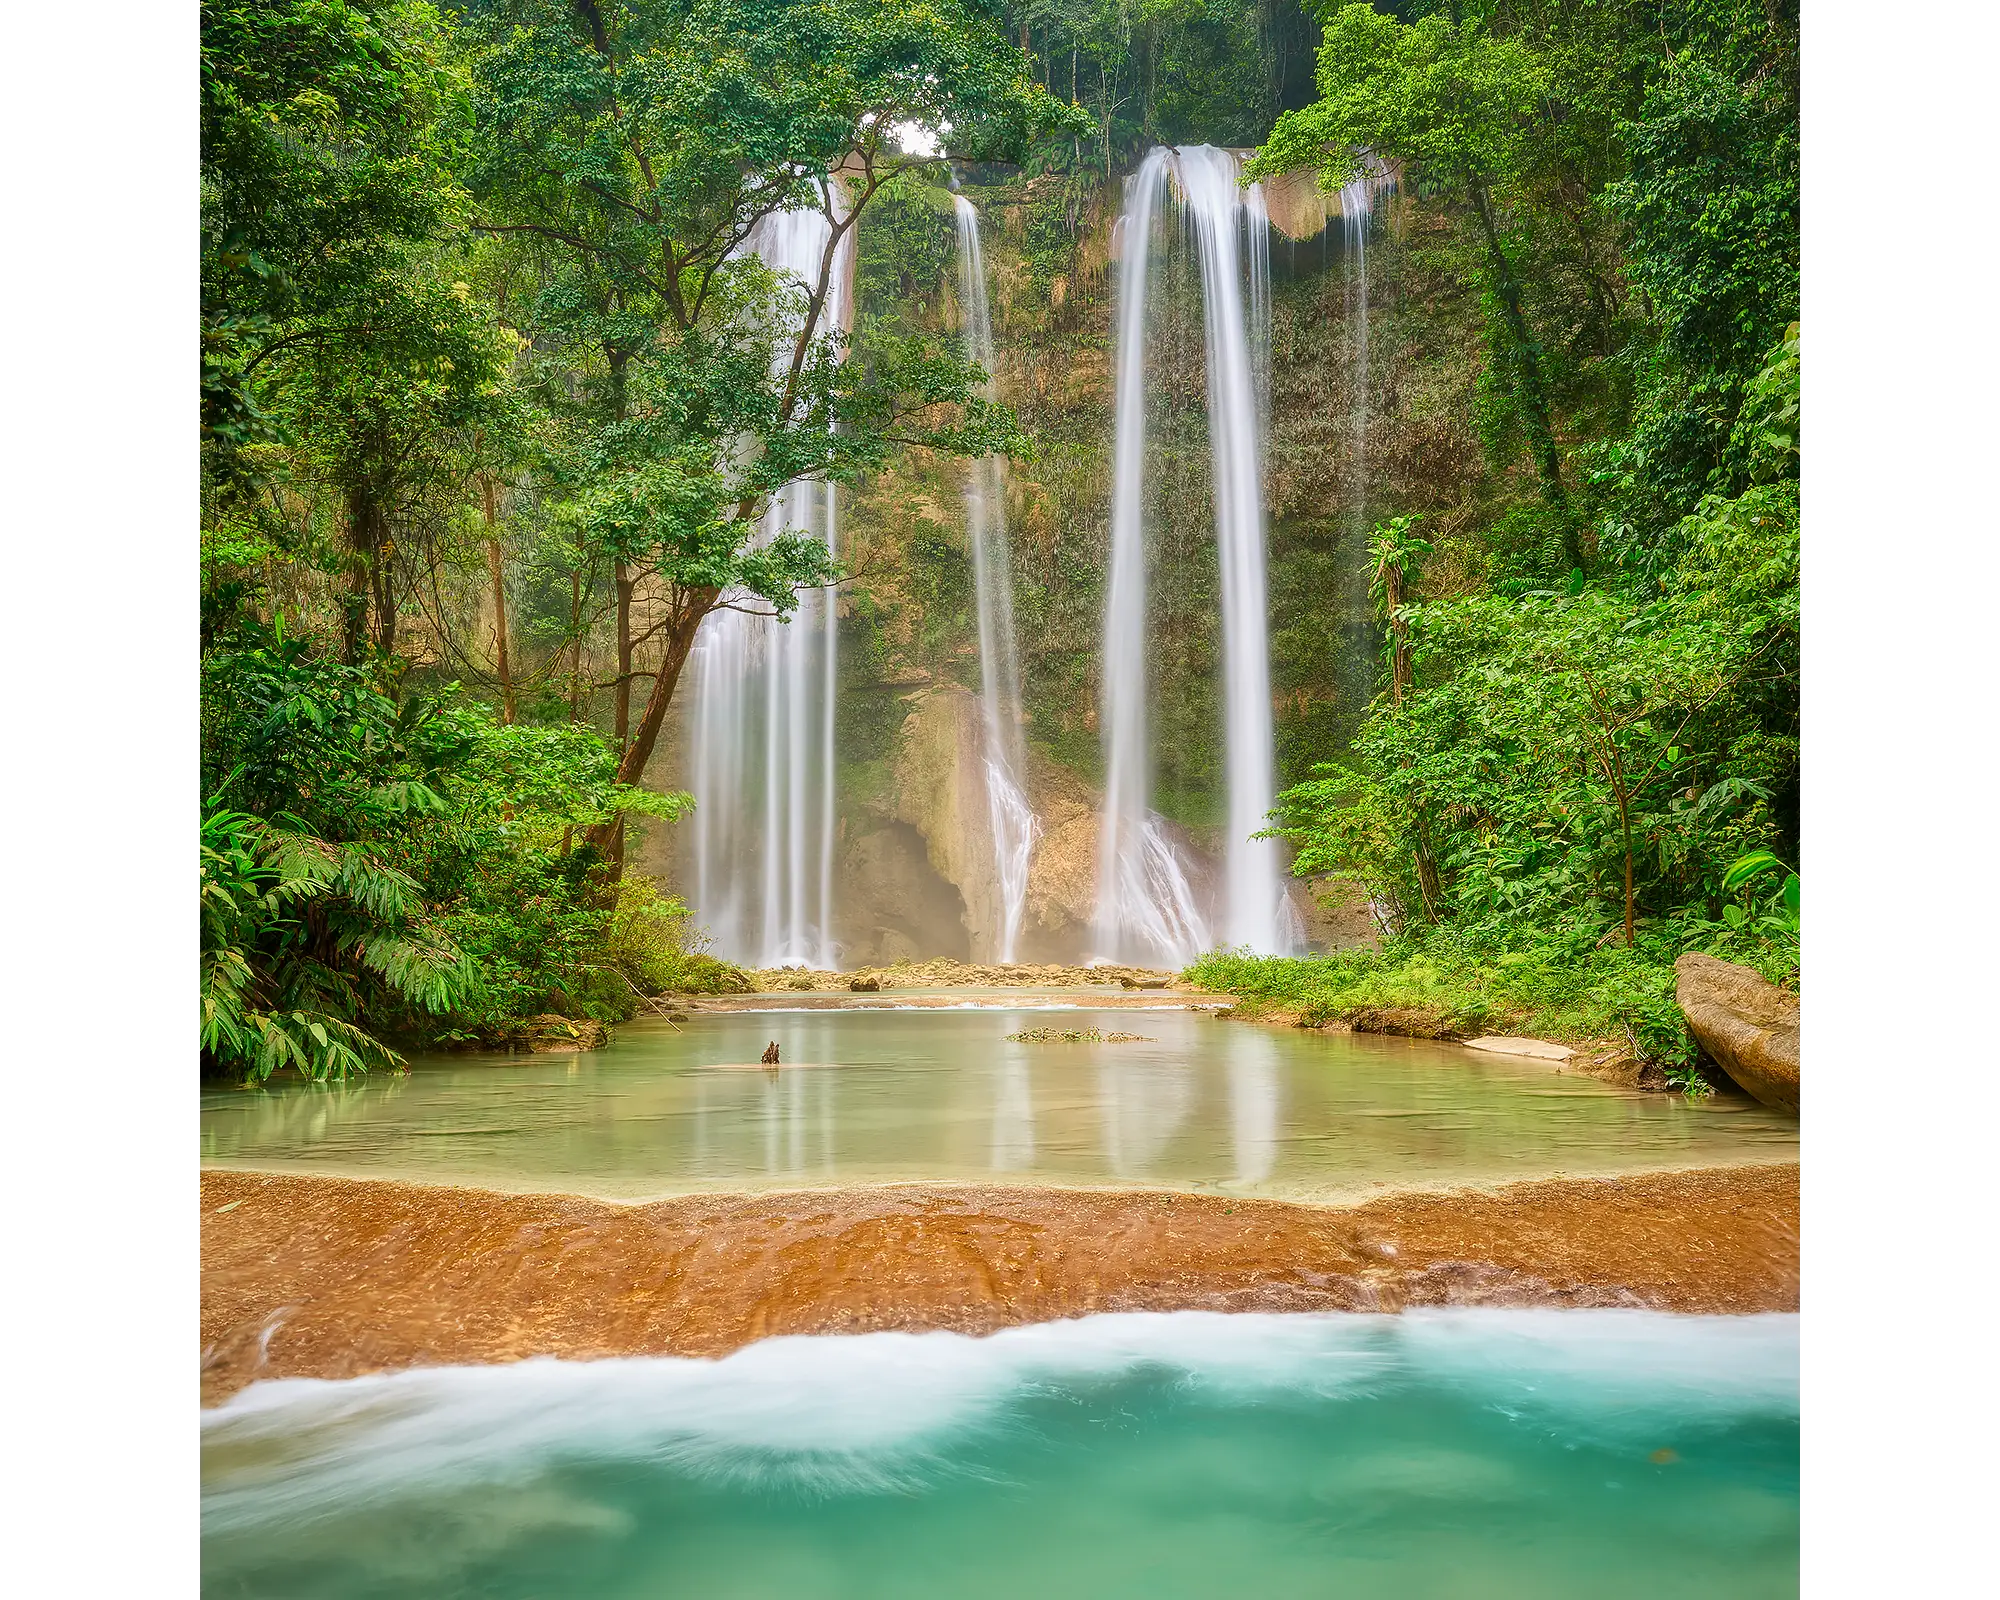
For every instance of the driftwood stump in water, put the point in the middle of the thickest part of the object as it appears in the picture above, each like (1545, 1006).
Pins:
(771, 1054)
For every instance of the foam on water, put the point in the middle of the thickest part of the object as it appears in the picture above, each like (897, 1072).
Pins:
(883, 1411)
(1516, 1455)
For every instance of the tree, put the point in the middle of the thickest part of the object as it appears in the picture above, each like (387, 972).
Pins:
(1457, 107)
(337, 346)
(632, 151)
(1583, 752)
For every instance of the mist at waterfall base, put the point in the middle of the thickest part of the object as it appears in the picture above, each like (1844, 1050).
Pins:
(1146, 908)
(1012, 820)
(763, 720)
(1451, 1453)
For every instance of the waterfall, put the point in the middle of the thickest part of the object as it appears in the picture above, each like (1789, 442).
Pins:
(1357, 210)
(1145, 907)
(1014, 824)
(1357, 205)
(766, 689)
(1145, 910)
(1255, 905)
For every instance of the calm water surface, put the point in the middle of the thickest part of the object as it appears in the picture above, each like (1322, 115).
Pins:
(1461, 1455)
(882, 1095)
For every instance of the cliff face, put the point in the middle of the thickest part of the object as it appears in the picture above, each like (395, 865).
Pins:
(1350, 442)
(940, 792)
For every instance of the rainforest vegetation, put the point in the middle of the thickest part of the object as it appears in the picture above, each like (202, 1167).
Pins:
(1588, 762)
(492, 407)
(475, 319)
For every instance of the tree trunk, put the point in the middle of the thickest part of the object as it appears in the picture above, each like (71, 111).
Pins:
(364, 534)
(1625, 827)
(493, 568)
(621, 576)
(1400, 685)
(1525, 380)
(575, 651)
(385, 598)
(690, 608)
(624, 581)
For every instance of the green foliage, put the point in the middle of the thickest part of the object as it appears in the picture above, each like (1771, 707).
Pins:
(1148, 72)
(1452, 99)
(627, 153)
(294, 933)
(1545, 980)
(907, 253)
(1712, 201)
(379, 868)
(1555, 741)
(653, 944)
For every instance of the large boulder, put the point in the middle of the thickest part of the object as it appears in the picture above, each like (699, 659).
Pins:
(1749, 1027)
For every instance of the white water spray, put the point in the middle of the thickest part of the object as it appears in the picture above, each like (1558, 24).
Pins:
(744, 664)
(1013, 821)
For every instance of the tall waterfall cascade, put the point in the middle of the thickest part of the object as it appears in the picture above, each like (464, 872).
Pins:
(1146, 910)
(1145, 907)
(1014, 825)
(762, 735)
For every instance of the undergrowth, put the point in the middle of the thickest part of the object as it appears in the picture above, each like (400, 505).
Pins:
(1555, 983)
(654, 946)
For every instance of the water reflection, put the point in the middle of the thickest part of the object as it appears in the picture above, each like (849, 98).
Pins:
(1013, 1117)
(877, 1095)
(1253, 1104)
(1143, 1105)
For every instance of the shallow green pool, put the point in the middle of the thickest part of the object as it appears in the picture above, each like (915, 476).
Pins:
(1459, 1454)
(943, 1094)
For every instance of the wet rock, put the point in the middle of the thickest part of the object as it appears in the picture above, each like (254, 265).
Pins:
(892, 904)
(1144, 983)
(1748, 1027)
(1622, 1067)
(551, 1033)
(865, 985)
(1406, 1022)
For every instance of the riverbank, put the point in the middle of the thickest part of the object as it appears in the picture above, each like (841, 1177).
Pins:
(333, 1277)
(949, 974)
(996, 998)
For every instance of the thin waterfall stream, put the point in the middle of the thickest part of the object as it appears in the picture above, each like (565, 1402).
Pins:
(1357, 214)
(1223, 211)
(1012, 818)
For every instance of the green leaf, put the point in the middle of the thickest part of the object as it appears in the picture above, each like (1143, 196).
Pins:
(1747, 869)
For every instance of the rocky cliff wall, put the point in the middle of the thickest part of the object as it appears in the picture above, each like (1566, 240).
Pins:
(915, 873)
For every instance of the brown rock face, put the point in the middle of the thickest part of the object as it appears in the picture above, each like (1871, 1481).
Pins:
(891, 904)
(1749, 1027)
